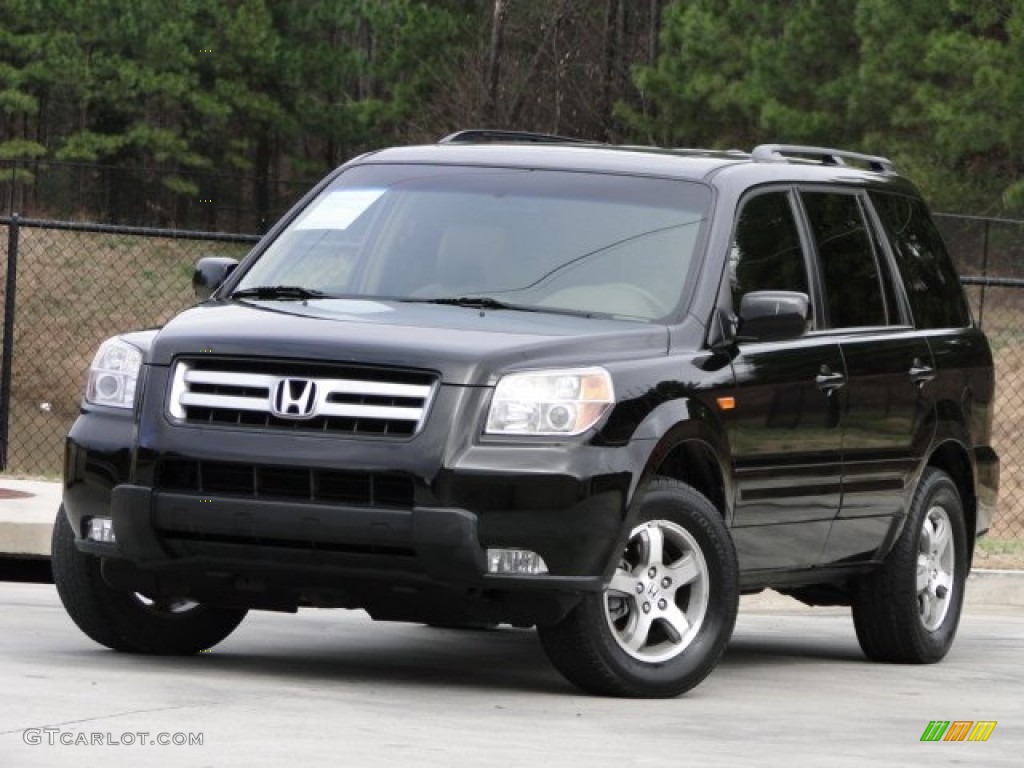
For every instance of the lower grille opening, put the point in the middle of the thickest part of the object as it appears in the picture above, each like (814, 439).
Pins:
(344, 487)
(309, 546)
(391, 491)
(285, 483)
(382, 489)
(235, 479)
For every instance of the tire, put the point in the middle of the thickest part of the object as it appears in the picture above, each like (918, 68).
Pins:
(126, 621)
(662, 623)
(908, 610)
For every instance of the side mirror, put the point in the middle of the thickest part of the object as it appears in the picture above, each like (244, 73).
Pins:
(773, 315)
(210, 272)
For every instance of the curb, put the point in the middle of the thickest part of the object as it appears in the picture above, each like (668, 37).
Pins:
(27, 511)
(995, 588)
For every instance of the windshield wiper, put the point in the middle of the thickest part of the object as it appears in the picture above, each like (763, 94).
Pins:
(488, 302)
(474, 302)
(269, 292)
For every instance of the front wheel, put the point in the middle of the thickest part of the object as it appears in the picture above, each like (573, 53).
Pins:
(662, 623)
(909, 609)
(128, 621)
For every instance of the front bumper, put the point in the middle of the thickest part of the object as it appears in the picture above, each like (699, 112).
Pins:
(169, 531)
(399, 559)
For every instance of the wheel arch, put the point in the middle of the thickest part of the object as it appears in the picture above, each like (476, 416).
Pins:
(682, 440)
(952, 458)
(689, 446)
(694, 462)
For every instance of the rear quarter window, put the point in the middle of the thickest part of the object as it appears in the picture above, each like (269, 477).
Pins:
(933, 288)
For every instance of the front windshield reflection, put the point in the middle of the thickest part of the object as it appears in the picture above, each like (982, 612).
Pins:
(595, 244)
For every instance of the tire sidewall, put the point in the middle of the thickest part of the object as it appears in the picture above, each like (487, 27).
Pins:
(120, 620)
(936, 490)
(702, 521)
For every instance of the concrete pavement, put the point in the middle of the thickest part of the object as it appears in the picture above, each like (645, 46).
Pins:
(334, 688)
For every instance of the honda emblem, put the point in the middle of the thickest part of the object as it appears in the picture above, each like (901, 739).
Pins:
(294, 399)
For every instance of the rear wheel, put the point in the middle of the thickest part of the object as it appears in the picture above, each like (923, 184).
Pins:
(664, 619)
(129, 621)
(909, 609)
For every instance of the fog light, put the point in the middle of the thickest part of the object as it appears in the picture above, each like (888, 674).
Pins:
(515, 561)
(100, 529)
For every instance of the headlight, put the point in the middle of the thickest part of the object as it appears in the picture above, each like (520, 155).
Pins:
(113, 374)
(550, 402)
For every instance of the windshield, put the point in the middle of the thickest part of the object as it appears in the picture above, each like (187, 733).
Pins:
(601, 244)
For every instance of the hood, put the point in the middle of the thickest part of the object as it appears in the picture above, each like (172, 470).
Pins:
(466, 346)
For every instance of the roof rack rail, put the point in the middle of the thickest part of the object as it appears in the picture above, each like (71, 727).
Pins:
(784, 153)
(486, 135)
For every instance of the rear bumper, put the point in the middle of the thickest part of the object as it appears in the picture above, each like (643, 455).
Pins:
(987, 465)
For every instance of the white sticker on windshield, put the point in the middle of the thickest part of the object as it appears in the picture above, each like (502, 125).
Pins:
(338, 209)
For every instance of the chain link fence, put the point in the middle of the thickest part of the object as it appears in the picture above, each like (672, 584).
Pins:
(76, 285)
(989, 254)
(79, 284)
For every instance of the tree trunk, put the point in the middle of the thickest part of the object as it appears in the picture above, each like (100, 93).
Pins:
(490, 111)
(655, 30)
(608, 78)
(261, 189)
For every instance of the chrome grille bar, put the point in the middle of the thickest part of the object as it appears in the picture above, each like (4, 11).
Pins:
(218, 378)
(220, 397)
(188, 399)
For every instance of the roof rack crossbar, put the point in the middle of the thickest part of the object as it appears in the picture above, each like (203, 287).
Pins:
(485, 135)
(781, 153)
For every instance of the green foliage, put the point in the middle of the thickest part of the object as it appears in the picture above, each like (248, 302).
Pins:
(368, 67)
(972, 98)
(735, 72)
(936, 84)
(21, 149)
(287, 88)
(258, 85)
(802, 74)
(86, 145)
(13, 101)
(698, 86)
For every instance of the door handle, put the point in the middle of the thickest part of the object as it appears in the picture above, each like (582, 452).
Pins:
(828, 382)
(921, 374)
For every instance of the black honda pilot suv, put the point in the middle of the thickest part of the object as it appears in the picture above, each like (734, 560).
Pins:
(514, 378)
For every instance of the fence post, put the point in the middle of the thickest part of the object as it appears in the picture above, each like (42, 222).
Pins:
(10, 287)
(984, 273)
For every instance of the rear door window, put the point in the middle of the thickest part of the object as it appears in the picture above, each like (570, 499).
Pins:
(853, 293)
